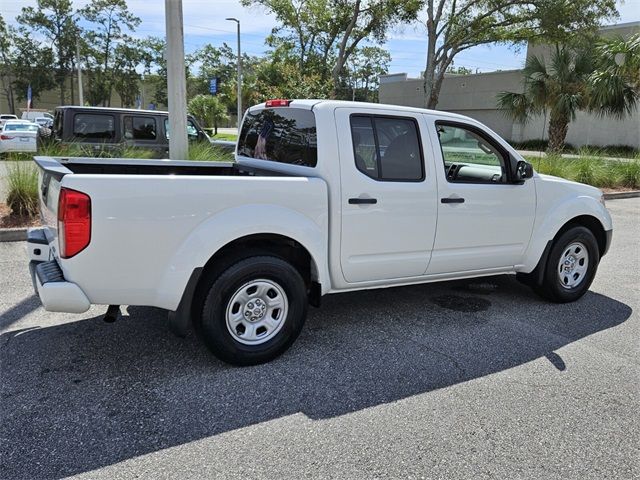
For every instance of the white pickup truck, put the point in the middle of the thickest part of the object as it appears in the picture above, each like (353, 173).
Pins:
(324, 197)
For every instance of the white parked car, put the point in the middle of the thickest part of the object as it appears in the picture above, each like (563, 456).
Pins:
(18, 136)
(324, 197)
(34, 114)
(6, 116)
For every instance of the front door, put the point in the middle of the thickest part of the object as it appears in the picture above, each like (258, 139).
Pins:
(484, 219)
(388, 195)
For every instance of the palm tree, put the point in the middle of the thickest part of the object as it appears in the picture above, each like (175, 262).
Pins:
(561, 88)
(615, 83)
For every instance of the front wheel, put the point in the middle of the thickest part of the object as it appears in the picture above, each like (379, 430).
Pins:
(571, 266)
(254, 311)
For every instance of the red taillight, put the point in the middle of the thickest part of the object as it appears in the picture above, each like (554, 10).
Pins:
(74, 222)
(6, 137)
(277, 102)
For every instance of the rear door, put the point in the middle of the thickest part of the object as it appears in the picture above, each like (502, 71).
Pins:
(484, 219)
(388, 195)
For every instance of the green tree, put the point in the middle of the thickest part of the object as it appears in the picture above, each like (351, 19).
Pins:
(110, 19)
(209, 110)
(33, 65)
(7, 59)
(127, 57)
(615, 83)
(54, 19)
(155, 67)
(560, 88)
(454, 26)
(363, 71)
(323, 34)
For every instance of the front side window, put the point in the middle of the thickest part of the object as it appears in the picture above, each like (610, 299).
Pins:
(192, 131)
(387, 148)
(469, 157)
(139, 128)
(96, 126)
(283, 134)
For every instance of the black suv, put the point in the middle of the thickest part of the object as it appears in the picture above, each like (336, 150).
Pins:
(109, 130)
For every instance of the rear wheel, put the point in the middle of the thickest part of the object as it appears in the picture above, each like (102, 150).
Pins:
(254, 310)
(571, 266)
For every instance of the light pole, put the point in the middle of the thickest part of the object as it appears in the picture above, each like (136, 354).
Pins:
(239, 74)
(80, 92)
(176, 81)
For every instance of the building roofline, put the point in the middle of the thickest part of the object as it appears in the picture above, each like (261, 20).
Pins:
(615, 26)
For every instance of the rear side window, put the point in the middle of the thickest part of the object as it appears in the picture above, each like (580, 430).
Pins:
(285, 135)
(140, 128)
(97, 126)
(387, 148)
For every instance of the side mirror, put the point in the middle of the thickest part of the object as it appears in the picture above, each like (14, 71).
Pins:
(524, 170)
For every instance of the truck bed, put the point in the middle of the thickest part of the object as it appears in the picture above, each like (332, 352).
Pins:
(154, 222)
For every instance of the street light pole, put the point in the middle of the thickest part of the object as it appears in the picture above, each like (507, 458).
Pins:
(239, 74)
(80, 92)
(176, 81)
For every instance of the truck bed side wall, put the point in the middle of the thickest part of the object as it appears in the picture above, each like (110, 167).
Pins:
(149, 232)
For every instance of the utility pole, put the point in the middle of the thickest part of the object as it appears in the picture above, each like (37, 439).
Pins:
(80, 92)
(176, 81)
(239, 74)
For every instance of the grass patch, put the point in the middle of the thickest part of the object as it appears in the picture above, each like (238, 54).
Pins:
(203, 152)
(616, 151)
(200, 151)
(232, 137)
(591, 170)
(22, 189)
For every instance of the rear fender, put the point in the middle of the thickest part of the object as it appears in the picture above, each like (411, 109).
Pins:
(234, 223)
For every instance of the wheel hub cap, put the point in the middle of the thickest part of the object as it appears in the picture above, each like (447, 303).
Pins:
(573, 265)
(256, 311)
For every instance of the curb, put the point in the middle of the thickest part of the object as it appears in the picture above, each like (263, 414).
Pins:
(619, 195)
(13, 234)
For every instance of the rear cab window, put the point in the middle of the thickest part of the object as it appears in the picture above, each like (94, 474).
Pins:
(281, 134)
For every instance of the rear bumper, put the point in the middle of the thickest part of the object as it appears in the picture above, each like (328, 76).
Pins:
(55, 292)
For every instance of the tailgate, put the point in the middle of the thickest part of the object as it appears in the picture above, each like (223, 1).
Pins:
(49, 178)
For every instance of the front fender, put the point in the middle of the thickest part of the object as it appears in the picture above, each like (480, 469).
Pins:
(548, 224)
(234, 223)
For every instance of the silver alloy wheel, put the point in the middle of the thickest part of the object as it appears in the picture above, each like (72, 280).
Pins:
(573, 265)
(257, 311)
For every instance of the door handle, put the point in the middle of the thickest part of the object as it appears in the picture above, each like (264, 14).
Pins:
(362, 201)
(452, 200)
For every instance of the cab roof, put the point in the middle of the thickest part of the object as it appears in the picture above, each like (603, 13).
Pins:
(310, 104)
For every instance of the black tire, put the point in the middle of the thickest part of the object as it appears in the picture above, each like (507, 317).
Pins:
(213, 322)
(552, 287)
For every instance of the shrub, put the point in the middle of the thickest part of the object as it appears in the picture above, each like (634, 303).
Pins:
(22, 183)
(629, 173)
(204, 152)
(551, 165)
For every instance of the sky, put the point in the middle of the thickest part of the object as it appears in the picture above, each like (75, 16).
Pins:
(204, 22)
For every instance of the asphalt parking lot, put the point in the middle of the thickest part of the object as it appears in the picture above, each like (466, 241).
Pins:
(472, 379)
